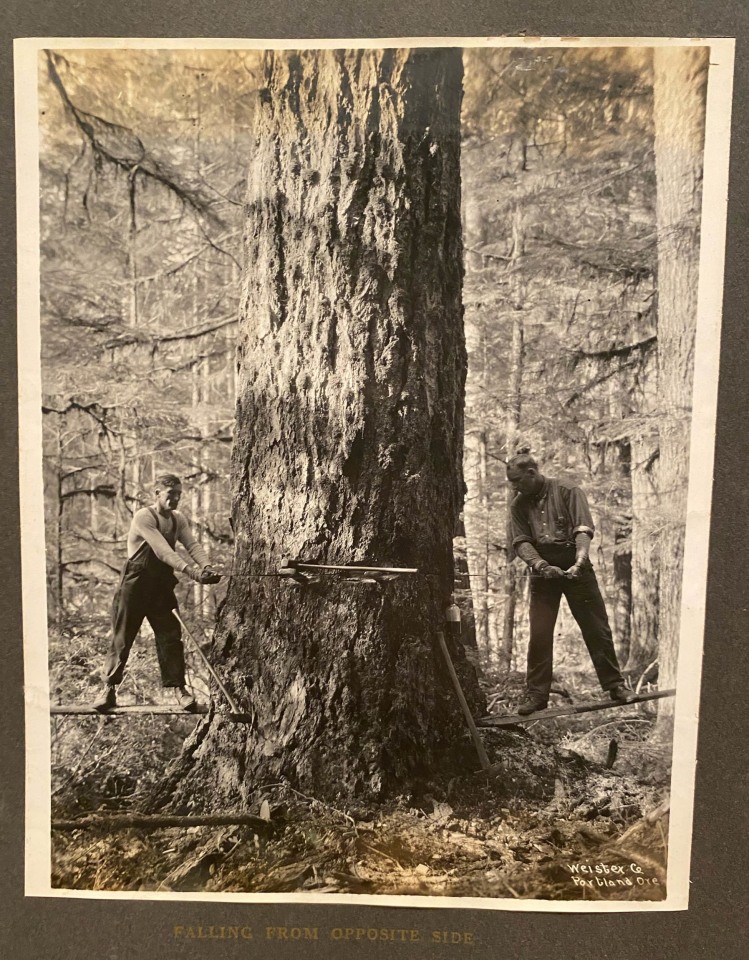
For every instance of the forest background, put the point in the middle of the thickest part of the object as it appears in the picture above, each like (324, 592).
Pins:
(141, 209)
(141, 213)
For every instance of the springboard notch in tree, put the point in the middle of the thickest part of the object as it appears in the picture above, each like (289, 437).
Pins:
(349, 432)
(289, 572)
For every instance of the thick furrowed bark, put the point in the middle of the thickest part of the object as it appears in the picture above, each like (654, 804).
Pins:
(352, 377)
(349, 429)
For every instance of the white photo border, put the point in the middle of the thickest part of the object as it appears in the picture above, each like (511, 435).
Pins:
(702, 450)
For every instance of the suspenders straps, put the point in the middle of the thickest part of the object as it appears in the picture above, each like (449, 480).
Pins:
(174, 526)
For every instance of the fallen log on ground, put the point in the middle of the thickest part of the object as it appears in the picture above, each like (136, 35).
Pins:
(83, 709)
(127, 821)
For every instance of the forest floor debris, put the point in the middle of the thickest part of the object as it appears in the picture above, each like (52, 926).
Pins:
(554, 818)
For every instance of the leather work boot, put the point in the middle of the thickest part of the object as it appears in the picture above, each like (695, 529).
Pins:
(185, 699)
(107, 700)
(532, 704)
(620, 694)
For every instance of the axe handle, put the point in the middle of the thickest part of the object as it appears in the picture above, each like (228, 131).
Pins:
(475, 735)
(229, 700)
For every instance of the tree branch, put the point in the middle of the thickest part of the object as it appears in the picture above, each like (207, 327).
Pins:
(100, 490)
(125, 149)
(595, 382)
(613, 352)
(126, 339)
(103, 563)
(84, 408)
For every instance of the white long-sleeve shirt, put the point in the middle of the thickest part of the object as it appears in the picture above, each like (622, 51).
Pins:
(162, 534)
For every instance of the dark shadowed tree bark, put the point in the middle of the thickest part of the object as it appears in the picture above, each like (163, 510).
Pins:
(680, 85)
(349, 432)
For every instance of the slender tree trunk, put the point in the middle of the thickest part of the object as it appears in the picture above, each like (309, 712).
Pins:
(207, 506)
(120, 499)
(507, 647)
(475, 231)
(196, 370)
(474, 526)
(478, 515)
(60, 527)
(512, 425)
(622, 568)
(132, 252)
(680, 82)
(646, 570)
(485, 582)
(463, 594)
(195, 487)
(622, 553)
(132, 306)
(349, 430)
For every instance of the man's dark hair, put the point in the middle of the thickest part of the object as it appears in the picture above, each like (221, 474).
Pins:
(165, 480)
(522, 460)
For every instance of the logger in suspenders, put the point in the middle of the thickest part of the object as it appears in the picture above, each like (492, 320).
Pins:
(146, 591)
(552, 530)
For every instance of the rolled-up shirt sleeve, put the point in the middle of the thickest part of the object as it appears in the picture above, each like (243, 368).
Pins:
(520, 529)
(528, 553)
(582, 521)
(522, 539)
(146, 527)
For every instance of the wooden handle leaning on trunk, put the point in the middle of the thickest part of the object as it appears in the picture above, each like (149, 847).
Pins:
(475, 735)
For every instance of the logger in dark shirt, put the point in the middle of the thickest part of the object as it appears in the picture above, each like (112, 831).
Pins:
(146, 591)
(551, 531)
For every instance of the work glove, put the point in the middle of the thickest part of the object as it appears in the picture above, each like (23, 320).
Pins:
(194, 573)
(209, 575)
(203, 575)
(550, 572)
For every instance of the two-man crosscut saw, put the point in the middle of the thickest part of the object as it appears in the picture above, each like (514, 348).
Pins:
(296, 570)
(289, 566)
(346, 568)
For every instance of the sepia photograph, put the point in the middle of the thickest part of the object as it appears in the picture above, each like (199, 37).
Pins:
(367, 420)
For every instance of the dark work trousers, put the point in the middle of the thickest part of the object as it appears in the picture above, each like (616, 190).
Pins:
(146, 591)
(587, 607)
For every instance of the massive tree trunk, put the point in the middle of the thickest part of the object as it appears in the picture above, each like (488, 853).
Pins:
(349, 432)
(680, 84)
